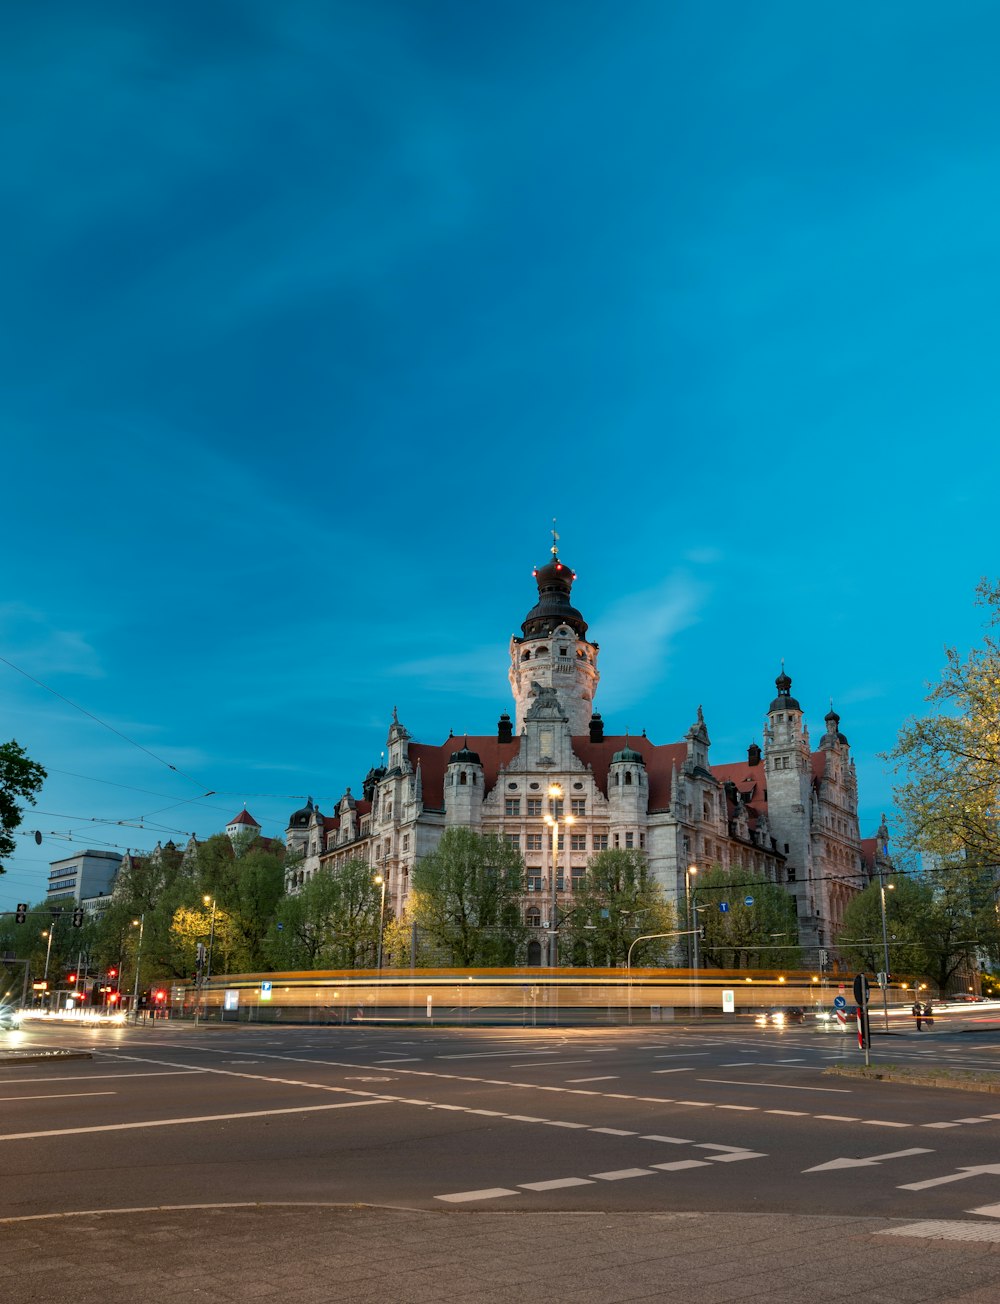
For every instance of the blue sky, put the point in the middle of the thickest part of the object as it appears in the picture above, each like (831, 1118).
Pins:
(316, 314)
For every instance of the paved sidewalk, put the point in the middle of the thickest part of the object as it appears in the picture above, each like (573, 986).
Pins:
(325, 1254)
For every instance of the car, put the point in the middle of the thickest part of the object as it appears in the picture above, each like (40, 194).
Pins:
(831, 1020)
(10, 1018)
(782, 1016)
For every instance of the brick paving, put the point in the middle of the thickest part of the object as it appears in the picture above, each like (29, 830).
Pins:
(300, 1254)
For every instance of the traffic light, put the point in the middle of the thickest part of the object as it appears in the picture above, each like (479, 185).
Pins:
(78, 917)
(71, 977)
(112, 972)
(159, 996)
(21, 913)
(824, 958)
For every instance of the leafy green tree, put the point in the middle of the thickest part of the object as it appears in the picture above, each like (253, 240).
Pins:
(466, 896)
(147, 891)
(618, 902)
(950, 763)
(764, 934)
(193, 924)
(247, 882)
(332, 923)
(20, 779)
(932, 927)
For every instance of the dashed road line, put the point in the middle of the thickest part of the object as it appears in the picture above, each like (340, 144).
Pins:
(621, 1174)
(612, 1078)
(557, 1184)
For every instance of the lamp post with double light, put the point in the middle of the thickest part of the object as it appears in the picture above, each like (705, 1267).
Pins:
(211, 936)
(554, 818)
(379, 881)
(139, 923)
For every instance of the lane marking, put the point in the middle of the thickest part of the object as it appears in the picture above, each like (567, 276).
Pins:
(556, 1184)
(669, 1140)
(866, 1163)
(612, 1078)
(174, 1208)
(61, 1095)
(777, 1086)
(697, 1104)
(939, 1229)
(734, 1159)
(878, 1122)
(490, 1193)
(621, 1174)
(686, 1070)
(682, 1163)
(745, 1109)
(838, 1118)
(613, 1131)
(789, 1113)
(56, 1081)
(548, 1063)
(175, 1122)
(940, 1125)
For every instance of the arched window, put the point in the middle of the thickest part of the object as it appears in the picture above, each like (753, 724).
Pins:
(463, 777)
(542, 652)
(526, 655)
(533, 917)
(618, 780)
(534, 953)
(628, 776)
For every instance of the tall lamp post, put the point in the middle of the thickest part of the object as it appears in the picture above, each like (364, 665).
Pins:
(885, 946)
(692, 918)
(211, 936)
(139, 923)
(380, 882)
(553, 820)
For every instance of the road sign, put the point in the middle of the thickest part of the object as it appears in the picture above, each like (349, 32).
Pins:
(265, 991)
(748, 901)
(728, 1001)
(840, 1002)
(724, 906)
(861, 989)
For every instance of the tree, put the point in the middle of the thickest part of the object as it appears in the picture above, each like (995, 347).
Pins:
(466, 895)
(332, 923)
(618, 902)
(246, 880)
(930, 925)
(20, 780)
(764, 934)
(951, 759)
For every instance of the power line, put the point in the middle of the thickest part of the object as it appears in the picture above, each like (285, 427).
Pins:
(104, 724)
(90, 778)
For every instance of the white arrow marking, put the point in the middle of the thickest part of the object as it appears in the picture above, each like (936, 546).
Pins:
(864, 1163)
(960, 1176)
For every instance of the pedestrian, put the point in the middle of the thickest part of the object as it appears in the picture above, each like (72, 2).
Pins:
(928, 1013)
(918, 1013)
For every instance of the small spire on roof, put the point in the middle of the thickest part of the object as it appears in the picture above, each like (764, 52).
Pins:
(555, 540)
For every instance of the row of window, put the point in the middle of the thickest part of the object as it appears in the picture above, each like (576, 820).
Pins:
(577, 841)
(512, 807)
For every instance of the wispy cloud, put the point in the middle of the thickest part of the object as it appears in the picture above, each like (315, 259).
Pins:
(479, 671)
(40, 649)
(638, 635)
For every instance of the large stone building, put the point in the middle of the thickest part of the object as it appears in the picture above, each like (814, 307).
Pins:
(784, 810)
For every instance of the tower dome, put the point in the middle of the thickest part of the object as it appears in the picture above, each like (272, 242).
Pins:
(553, 608)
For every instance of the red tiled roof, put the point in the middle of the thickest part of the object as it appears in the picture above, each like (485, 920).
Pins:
(434, 762)
(244, 817)
(660, 761)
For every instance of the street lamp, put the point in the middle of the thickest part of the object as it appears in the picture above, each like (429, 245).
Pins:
(211, 936)
(885, 945)
(379, 881)
(692, 916)
(139, 923)
(553, 821)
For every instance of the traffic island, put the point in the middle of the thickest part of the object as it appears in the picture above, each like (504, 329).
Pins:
(41, 1056)
(957, 1079)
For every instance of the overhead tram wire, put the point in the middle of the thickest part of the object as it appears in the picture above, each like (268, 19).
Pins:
(104, 724)
(128, 787)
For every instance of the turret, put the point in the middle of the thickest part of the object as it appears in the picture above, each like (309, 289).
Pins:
(628, 796)
(553, 650)
(464, 789)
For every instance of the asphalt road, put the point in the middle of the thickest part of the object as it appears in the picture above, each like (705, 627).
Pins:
(704, 1124)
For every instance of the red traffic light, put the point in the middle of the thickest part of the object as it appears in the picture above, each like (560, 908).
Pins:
(112, 973)
(159, 996)
(71, 977)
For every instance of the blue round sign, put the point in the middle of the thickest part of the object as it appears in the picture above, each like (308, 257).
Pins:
(723, 906)
(840, 1002)
(748, 901)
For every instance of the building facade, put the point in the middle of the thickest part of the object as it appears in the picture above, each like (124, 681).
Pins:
(85, 876)
(785, 811)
